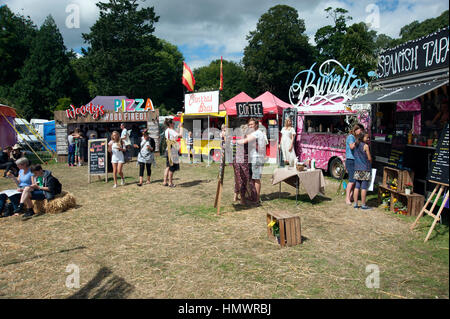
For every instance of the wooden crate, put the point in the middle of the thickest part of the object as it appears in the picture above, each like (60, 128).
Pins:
(290, 228)
(403, 177)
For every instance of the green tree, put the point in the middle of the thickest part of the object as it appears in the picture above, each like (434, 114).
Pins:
(46, 75)
(417, 29)
(358, 49)
(277, 50)
(234, 78)
(122, 50)
(329, 38)
(16, 35)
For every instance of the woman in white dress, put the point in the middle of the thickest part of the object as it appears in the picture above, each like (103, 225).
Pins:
(117, 160)
(287, 142)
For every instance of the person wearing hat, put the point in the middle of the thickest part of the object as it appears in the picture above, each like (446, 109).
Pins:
(16, 153)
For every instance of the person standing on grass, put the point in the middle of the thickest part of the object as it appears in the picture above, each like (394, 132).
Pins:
(287, 143)
(116, 147)
(190, 147)
(257, 150)
(71, 149)
(173, 160)
(145, 157)
(363, 168)
(125, 137)
(350, 161)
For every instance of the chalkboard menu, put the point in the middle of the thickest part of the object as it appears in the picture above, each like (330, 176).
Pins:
(249, 109)
(439, 164)
(98, 153)
(396, 159)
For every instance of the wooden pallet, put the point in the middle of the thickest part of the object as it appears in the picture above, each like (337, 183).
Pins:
(290, 228)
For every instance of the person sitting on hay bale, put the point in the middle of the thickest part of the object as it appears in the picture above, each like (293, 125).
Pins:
(44, 186)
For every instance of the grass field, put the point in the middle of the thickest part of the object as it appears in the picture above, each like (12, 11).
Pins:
(159, 242)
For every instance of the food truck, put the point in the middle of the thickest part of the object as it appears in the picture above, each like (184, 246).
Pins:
(324, 118)
(102, 116)
(204, 119)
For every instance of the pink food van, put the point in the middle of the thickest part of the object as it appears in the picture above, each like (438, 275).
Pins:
(321, 134)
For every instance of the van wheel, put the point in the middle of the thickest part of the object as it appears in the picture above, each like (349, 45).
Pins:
(336, 168)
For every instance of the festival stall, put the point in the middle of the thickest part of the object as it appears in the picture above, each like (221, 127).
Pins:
(8, 135)
(102, 116)
(268, 108)
(410, 106)
(203, 118)
(324, 117)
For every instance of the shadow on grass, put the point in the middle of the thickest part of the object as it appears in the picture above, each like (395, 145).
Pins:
(14, 262)
(373, 202)
(301, 197)
(194, 183)
(105, 285)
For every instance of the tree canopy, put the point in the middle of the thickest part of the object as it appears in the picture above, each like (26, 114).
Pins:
(277, 50)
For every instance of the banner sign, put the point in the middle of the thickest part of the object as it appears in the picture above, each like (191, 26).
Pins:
(201, 102)
(427, 53)
(95, 111)
(249, 109)
(333, 85)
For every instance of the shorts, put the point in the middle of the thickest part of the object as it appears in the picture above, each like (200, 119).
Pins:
(37, 195)
(175, 167)
(350, 166)
(119, 158)
(364, 185)
(257, 170)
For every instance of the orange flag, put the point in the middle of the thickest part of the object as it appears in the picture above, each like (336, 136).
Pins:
(188, 78)
(221, 75)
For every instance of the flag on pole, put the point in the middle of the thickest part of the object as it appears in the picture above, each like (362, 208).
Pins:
(221, 75)
(188, 78)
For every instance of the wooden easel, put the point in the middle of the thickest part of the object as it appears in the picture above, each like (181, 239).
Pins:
(440, 188)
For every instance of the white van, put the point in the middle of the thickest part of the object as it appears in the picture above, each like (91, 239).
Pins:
(25, 135)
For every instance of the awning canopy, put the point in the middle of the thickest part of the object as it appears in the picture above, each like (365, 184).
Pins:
(399, 94)
(230, 105)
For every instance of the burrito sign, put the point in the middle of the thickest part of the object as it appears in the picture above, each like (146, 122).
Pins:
(328, 87)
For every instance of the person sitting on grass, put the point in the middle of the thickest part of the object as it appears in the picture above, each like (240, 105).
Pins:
(363, 168)
(22, 181)
(47, 189)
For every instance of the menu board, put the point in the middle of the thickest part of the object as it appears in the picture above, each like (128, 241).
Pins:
(61, 138)
(396, 159)
(98, 156)
(249, 109)
(439, 164)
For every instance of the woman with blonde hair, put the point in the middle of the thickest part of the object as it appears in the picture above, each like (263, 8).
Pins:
(118, 159)
(287, 142)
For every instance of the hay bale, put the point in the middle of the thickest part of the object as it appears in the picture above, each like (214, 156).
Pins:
(39, 206)
(60, 203)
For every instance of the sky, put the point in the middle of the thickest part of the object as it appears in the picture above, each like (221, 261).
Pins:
(205, 30)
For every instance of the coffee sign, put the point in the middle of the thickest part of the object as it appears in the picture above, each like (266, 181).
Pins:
(423, 54)
(249, 109)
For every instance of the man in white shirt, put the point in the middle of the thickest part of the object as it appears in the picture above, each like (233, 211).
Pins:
(125, 137)
(257, 153)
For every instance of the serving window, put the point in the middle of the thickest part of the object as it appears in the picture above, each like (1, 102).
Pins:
(331, 124)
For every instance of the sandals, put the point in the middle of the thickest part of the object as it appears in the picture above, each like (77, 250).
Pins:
(172, 185)
(139, 184)
(165, 184)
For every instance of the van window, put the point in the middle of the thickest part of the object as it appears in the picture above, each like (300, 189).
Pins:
(22, 129)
